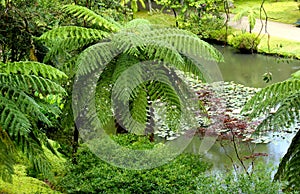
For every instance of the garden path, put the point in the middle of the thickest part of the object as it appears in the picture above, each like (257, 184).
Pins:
(275, 29)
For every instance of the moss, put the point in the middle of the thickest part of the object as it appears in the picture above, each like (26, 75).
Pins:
(22, 184)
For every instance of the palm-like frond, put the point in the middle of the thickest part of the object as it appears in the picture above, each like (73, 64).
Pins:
(90, 16)
(69, 38)
(283, 96)
(32, 68)
(7, 152)
(284, 99)
(21, 110)
(288, 169)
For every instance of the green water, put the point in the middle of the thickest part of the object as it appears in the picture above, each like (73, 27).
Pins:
(247, 69)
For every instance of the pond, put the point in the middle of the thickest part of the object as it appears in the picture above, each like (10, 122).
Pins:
(247, 69)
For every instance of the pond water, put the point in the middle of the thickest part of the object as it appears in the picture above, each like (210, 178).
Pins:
(248, 69)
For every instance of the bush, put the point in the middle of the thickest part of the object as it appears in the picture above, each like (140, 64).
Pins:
(92, 175)
(245, 42)
(220, 35)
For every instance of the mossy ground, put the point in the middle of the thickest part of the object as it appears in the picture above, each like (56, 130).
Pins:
(22, 184)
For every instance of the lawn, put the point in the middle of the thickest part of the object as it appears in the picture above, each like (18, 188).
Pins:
(279, 46)
(281, 11)
(157, 18)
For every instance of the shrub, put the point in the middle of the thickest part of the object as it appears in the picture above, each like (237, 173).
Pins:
(245, 42)
(220, 35)
(92, 175)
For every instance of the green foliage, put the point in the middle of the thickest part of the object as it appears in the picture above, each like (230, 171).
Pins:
(251, 13)
(161, 50)
(24, 184)
(281, 96)
(22, 110)
(91, 175)
(244, 42)
(283, 99)
(199, 16)
(22, 20)
(133, 4)
(92, 17)
(231, 182)
(220, 35)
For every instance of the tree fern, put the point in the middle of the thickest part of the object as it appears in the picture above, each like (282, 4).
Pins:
(283, 99)
(134, 52)
(21, 109)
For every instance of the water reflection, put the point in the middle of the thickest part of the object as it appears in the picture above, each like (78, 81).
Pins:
(220, 156)
(248, 69)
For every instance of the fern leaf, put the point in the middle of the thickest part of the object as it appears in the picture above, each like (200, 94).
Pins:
(12, 120)
(96, 57)
(32, 68)
(90, 16)
(26, 104)
(31, 83)
(270, 97)
(6, 157)
(186, 43)
(289, 165)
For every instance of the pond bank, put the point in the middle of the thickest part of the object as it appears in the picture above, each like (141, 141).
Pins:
(276, 39)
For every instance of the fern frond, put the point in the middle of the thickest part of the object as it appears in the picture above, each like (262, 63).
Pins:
(96, 57)
(103, 95)
(90, 16)
(32, 68)
(32, 148)
(70, 38)
(286, 115)
(26, 103)
(6, 156)
(272, 97)
(289, 165)
(138, 25)
(31, 83)
(12, 120)
(186, 43)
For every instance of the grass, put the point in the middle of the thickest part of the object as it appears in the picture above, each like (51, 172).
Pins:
(157, 18)
(281, 11)
(279, 46)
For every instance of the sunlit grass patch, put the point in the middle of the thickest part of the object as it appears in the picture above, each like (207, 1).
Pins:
(157, 18)
(24, 184)
(280, 46)
(285, 11)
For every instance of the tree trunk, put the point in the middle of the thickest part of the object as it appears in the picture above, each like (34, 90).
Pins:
(150, 6)
(75, 144)
(175, 15)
